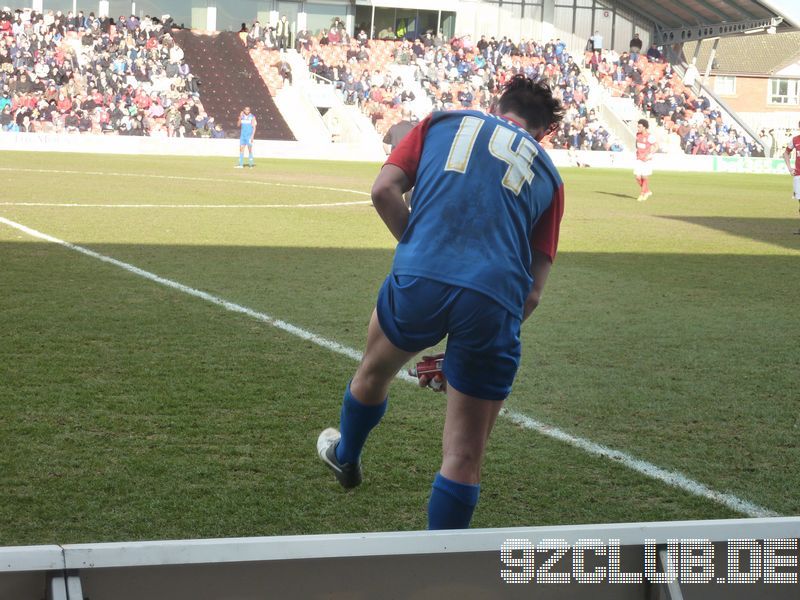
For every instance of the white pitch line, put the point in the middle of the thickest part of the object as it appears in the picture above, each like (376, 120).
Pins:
(80, 205)
(671, 478)
(185, 178)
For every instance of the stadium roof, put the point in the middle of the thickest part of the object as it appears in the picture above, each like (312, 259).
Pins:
(759, 55)
(670, 14)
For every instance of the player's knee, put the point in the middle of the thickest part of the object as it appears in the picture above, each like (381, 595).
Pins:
(371, 375)
(462, 463)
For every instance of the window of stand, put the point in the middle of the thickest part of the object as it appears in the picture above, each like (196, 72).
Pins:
(400, 23)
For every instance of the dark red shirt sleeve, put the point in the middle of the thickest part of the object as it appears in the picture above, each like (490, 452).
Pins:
(545, 232)
(408, 152)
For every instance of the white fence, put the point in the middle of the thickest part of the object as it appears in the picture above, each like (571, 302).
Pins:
(673, 162)
(322, 150)
(154, 146)
(731, 559)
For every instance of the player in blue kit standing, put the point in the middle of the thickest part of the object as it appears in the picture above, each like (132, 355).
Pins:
(473, 256)
(248, 123)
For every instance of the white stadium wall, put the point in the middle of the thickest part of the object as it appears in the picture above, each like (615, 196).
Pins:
(95, 144)
(149, 146)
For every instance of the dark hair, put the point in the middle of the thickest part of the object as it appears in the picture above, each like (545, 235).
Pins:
(644, 123)
(532, 101)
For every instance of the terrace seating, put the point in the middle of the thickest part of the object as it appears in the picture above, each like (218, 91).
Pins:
(662, 96)
(68, 74)
(76, 74)
(231, 81)
(445, 74)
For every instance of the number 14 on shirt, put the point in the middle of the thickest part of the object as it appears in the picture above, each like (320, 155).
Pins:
(519, 161)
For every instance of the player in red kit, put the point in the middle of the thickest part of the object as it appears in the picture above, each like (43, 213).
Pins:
(645, 148)
(794, 146)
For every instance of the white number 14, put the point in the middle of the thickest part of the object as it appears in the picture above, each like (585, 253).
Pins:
(519, 161)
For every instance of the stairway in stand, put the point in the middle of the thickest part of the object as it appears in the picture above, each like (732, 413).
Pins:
(229, 81)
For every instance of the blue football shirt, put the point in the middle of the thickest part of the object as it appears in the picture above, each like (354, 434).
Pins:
(247, 126)
(482, 185)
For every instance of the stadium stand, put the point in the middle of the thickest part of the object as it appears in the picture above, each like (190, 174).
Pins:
(458, 73)
(657, 90)
(64, 73)
(79, 74)
(228, 76)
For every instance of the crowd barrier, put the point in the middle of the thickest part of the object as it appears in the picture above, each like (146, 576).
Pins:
(323, 150)
(672, 162)
(156, 146)
(732, 559)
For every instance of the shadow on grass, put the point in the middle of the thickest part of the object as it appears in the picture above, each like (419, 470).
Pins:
(192, 421)
(779, 232)
(626, 196)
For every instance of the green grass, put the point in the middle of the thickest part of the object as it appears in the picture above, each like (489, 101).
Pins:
(668, 330)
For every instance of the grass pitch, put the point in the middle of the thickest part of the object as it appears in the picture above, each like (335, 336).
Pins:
(130, 410)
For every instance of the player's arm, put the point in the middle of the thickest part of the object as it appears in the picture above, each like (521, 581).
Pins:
(397, 177)
(544, 245)
(787, 158)
(540, 269)
(239, 122)
(387, 198)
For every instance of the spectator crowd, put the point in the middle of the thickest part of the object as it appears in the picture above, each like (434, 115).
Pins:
(452, 73)
(462, 73)
(689, 119)
(78, 73)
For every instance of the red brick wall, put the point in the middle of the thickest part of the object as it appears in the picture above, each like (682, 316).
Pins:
(751, 96)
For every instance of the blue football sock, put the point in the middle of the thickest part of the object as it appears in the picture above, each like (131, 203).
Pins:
(355, 423)
(251, 160)
(241, 158)
(451, 504)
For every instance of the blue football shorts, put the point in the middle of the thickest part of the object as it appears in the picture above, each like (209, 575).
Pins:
(483, 345)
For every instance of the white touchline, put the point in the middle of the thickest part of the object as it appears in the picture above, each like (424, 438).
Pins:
(650, 470)
(79, 205)
(672, 478)
(185, 178)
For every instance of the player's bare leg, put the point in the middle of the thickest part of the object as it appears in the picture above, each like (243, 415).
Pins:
(241, 158)
(381, 362)
(468, 423)
(646, 193)
(363, 407)
(641, 188)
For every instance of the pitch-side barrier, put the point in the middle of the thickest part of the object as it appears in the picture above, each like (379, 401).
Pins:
(730, 559)
(322, 150)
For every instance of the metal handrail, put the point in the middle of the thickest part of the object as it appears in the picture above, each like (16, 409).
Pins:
(321, 78)
(699, 88)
